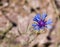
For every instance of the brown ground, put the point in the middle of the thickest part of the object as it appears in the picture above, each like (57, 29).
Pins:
(16, 18)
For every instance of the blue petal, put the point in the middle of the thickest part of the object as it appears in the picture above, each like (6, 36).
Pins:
(34, 25)
(44, 15)
(49, 26)
(37, 28)
(37, 18)
(49, 21)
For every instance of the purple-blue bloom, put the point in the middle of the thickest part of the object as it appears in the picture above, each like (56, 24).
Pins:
(41, 22)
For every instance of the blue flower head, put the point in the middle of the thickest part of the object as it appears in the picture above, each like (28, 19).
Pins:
(41, 22)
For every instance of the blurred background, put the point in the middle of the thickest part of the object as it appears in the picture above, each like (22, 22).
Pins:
(16, 19)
